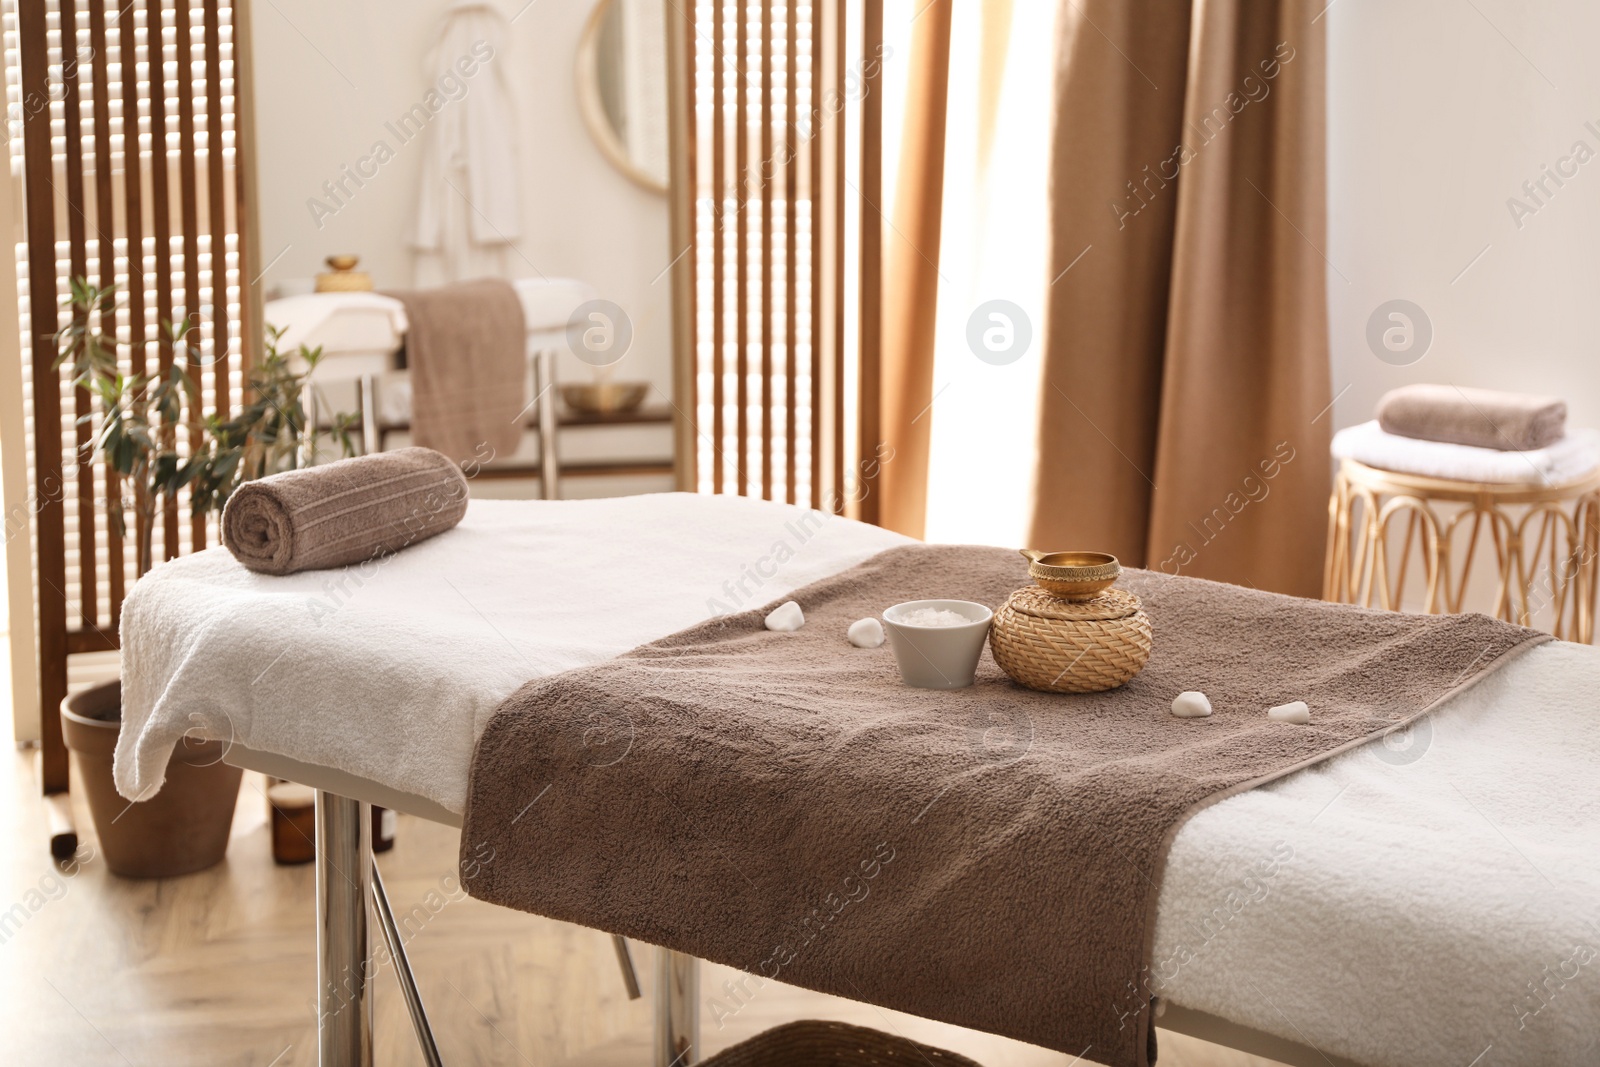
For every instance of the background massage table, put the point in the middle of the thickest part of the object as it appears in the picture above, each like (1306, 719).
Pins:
(361, 334)
(1402, 904)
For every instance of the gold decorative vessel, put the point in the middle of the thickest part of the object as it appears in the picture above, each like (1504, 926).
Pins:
(1073, 575)
(1072, 632)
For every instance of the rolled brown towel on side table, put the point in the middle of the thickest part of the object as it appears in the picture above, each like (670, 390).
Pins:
(345, 512)
(1483, 418)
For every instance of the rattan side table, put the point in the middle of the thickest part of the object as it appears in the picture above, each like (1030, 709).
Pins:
(1546, 543)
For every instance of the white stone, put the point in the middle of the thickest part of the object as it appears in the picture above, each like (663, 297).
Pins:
(1191, 704)
(865, 633)
(786, 618)
(1295, 711)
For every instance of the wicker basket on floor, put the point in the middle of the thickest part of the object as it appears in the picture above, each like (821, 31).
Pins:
(1063, 646)
(814, 1043)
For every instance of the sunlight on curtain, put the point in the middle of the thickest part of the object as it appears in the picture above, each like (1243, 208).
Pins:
(994, 247)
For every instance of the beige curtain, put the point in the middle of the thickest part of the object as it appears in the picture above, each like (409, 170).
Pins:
(911, 277)
(1184, 403)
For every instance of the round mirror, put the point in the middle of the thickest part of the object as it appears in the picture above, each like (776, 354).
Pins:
(622, 86)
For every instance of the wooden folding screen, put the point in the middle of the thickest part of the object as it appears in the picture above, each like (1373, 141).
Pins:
(131, 154)
(777, 220)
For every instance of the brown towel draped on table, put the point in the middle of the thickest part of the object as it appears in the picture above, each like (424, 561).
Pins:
(466, 347)
(343, 513)
(988, 856)
(1485, 418)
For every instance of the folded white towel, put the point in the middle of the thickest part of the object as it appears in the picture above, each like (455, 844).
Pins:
(1567, 460)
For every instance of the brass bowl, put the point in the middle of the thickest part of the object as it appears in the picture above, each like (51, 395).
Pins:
(342, 276)
(604, 398)
(1073, 575)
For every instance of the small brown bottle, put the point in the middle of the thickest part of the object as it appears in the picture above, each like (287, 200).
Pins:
(293, 812)
(383, 827)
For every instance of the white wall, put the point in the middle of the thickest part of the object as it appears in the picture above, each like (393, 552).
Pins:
(1439, 110)
(329, 75)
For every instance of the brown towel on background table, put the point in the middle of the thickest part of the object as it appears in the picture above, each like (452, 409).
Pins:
(466, 347)
(988, 856)
(1484, 418)
(343, 513)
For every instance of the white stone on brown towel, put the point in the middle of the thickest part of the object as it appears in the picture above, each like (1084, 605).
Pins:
(1296, 711)
(786, 617)
(865, 633)
(1483, 418)
(1191, 704)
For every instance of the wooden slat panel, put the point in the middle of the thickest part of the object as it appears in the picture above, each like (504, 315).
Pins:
(718, 251)
(90, 72)
(684, 224)
(187, 185)
(216, 214)
(871, 276)
(841, 14)
(50, 519)
(161, 226)
(132, 185)
(105, 224)
(246, 248)
(803, 216)
(96, 640)
(791, 189)
(77, 254)
(814, 161)
(765, 177)
(741, 309)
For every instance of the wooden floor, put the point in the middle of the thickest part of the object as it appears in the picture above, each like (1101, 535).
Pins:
(218, 967)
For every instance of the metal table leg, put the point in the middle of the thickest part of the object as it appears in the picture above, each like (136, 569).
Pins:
(545, 395)
(402, 971)
(308, 442)
(344, 879)
(371, 438)
(630, 976)
(677, 1041)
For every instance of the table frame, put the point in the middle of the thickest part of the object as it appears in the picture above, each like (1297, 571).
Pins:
(344, 1009)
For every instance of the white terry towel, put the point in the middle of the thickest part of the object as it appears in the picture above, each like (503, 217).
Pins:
(391, 668)
(1567, 460)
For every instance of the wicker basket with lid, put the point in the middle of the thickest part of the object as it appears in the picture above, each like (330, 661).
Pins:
(1056, 645)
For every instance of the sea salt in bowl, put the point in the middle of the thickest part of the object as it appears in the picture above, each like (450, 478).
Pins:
(935, 650)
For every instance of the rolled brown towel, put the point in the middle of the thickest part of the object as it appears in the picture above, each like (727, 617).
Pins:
(345, 512)
(1484, 418)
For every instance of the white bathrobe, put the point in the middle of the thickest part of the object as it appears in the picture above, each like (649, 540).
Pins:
(467, 203)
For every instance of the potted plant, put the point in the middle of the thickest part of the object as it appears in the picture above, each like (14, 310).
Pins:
(136, 431)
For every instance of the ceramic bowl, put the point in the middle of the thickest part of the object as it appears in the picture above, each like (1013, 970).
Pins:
(938, 657)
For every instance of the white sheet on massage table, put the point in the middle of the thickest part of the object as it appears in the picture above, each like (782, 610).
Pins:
(1420, 900)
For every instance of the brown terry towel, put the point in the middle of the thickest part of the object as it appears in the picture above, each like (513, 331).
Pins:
(345, 512)
(819, 1043)
(988, 856)
(1484, 418)
(466, 346)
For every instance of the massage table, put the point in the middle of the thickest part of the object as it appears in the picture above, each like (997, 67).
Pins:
(1429, 898)
(361, 335)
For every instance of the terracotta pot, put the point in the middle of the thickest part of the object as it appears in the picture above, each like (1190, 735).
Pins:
(183, 828)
